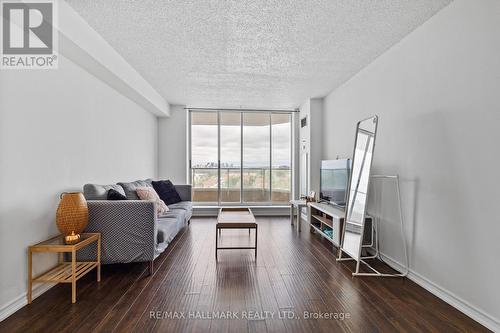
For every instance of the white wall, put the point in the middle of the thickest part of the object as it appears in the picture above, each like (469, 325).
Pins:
(438, 98)
(311, 139)
(172, 146)
(59, 129)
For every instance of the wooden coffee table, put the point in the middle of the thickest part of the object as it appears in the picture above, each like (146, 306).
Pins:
(235, 218)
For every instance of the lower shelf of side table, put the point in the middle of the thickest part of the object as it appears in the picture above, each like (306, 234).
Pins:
(62, 273)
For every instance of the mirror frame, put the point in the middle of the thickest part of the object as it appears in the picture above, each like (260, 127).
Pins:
(347, 209)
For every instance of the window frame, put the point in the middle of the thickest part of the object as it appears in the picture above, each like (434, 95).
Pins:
(269, 202)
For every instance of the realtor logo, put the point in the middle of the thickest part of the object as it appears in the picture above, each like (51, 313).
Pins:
(29, 38)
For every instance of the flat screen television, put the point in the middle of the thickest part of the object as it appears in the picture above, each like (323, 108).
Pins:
(334, 179)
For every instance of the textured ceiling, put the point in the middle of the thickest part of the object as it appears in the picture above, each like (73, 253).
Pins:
(252, 53)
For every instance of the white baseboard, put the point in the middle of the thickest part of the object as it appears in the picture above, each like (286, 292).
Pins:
(463, 306)
(22, 300)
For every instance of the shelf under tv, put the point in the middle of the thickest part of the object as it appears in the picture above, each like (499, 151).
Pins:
(322, 220)
(323, 216)
(319, 231)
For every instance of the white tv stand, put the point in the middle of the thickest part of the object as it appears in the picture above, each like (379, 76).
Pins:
(323, 217)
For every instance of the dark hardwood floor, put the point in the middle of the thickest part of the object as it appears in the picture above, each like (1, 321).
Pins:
(293, 273)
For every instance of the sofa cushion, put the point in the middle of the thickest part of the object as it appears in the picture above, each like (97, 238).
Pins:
(184, 192)
(130, 188)
(168, 228)
(100, 192)
(177, 213)
(167, 192)
(186, 205)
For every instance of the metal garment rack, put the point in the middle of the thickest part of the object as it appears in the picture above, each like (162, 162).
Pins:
(375, 272)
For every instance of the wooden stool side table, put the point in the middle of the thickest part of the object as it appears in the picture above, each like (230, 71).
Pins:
(64, 272)
(295, 208)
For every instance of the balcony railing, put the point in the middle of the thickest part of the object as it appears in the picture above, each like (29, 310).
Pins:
(257, 186)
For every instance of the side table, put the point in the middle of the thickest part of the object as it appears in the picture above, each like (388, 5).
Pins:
(64, 272)
(296, 206)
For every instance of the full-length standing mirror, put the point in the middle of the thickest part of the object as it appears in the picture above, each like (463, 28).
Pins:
(364, 145)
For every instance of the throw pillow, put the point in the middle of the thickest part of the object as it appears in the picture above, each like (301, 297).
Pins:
(100, 192)
(130, 187)
(166, 191)
(148, 193)
(115, 195)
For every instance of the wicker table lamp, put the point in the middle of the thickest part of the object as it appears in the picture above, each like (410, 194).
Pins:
(72, 216)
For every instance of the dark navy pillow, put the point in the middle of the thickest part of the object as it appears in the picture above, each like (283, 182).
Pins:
(115, 195)
(166, 191)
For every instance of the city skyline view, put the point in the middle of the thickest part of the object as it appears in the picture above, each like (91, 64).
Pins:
(255, 143)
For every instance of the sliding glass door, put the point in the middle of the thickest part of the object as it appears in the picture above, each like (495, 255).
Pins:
(240, 157)
(204, 156)
(230, 157)
(281, 171)
(256, 157)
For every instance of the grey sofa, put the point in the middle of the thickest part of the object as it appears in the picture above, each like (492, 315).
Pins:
(130, 229)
